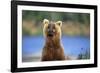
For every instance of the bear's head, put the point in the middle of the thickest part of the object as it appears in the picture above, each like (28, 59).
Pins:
(52, 29)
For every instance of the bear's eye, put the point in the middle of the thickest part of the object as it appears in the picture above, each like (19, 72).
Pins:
(53, 27)
(48, 27)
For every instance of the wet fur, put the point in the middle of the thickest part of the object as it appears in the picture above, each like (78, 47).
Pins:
(53, 49)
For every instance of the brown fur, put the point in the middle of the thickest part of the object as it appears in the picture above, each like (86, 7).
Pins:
(52, 49)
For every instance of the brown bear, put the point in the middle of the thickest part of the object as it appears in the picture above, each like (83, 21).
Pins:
(53, 49)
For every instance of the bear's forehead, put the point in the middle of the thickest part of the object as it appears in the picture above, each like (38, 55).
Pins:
(51, 24)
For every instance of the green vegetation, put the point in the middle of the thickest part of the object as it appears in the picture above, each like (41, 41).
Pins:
(85, 55)
(73, 23)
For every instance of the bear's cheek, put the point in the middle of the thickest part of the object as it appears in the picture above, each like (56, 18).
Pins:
(46, 33)
(57, 31)
(56, 34)
(45, 30)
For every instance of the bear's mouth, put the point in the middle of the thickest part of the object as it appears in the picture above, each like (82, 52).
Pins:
(50, 35)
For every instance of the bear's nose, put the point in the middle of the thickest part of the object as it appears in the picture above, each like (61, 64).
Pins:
(50, 32)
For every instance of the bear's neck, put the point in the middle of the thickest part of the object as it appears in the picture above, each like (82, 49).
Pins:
(53, 43)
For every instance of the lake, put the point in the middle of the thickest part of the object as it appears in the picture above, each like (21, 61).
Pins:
(73, 45)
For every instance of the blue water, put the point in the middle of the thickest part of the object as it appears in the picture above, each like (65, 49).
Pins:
(72, 45)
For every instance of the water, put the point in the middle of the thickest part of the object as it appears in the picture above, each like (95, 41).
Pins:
(32, 45)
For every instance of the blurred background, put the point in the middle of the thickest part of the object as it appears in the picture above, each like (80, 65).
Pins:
(75, 34)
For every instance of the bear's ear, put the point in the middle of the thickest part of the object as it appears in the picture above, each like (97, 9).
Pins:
(45, 21)
(59, 23)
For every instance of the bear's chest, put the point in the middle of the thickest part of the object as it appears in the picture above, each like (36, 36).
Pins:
(53, 53)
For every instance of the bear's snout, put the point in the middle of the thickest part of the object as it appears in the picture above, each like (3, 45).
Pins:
(50, 33)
